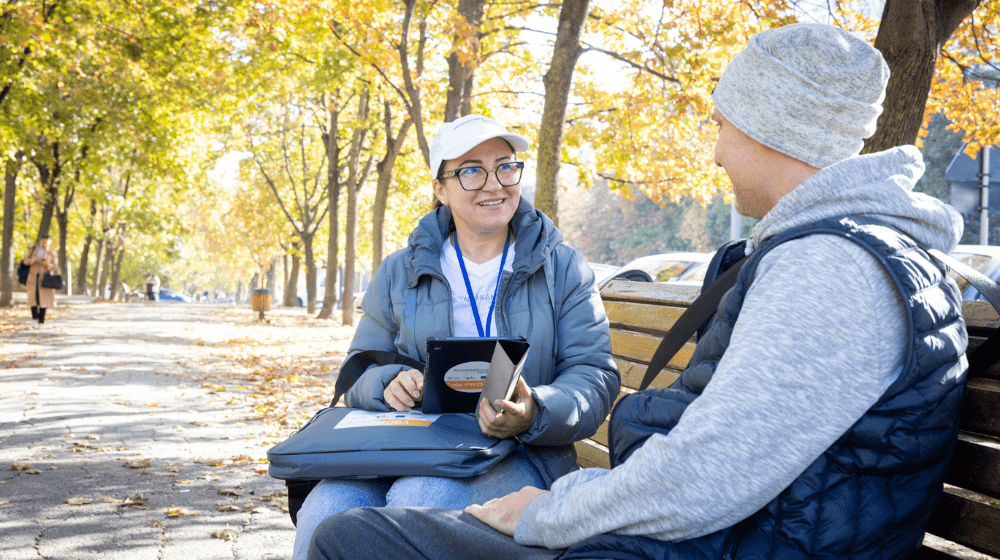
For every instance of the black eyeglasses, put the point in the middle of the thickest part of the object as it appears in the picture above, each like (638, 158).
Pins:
(474, 178)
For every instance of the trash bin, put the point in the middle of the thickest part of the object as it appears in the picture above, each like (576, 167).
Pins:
(261, 301)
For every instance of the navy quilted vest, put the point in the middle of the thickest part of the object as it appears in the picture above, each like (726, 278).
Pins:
(871, 493)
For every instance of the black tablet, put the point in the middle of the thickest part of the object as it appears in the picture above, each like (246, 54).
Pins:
(457, 369)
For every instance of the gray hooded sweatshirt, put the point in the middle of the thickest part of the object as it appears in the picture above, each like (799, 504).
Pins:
(818, 338)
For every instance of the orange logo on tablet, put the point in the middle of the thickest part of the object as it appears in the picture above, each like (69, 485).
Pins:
(467, 377)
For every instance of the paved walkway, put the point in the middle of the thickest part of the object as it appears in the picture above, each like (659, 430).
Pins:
(137, 430)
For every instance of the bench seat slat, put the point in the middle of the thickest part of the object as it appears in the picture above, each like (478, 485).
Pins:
(972, 522)
(975, 465)
(981, 409)
(590, 454)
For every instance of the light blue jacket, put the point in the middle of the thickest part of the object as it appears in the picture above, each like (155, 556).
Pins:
(550, 299)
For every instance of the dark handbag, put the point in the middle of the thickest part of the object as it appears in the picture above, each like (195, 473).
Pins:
(52, 281)
(341, 442)
(22, 273)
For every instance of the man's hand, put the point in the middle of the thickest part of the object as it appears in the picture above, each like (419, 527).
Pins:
(405, 391)
(502, 513)
(514, 418)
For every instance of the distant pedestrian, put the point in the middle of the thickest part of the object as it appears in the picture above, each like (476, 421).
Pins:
(152, 287)
(41, 258)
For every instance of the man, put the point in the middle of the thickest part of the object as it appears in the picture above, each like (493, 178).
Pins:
(817, 415)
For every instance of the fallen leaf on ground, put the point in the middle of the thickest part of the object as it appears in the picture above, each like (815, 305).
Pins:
(142, 464)
(20, 466)
(225, 534)
(174, 511)
(231, 492)
(109, 500)
(78, 501)
(134, 501)
(161, 524)
(228, 507)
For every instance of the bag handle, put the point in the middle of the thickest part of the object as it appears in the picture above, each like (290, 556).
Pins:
(988, 352)
(360, 362)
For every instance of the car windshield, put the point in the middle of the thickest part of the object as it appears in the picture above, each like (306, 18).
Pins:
(663, 267)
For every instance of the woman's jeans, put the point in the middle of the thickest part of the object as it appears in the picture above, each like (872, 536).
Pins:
(332, 496)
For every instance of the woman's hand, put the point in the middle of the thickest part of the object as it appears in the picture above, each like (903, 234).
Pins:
(514, 418)
(503, 513)
(405, 391)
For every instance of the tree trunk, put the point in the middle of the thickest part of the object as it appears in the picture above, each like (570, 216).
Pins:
(292, 283)
(81, 276)
(109, 261)
(49, 205)
(49, 177)
(11, 168)
(62, 222)
(333, 195)
(355, 179)
(307, 244)
(910, 37)
(414, 93)
(393, 145)
(461, 76)
(557, 82)
(116, 274)
(98, 262)
(81, 269)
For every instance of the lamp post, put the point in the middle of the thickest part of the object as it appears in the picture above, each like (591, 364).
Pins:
(984, 196)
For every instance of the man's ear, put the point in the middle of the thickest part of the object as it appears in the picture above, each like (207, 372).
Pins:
(440, 192)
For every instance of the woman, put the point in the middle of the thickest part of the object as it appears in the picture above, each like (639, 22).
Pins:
(41, 259)
(485, 245)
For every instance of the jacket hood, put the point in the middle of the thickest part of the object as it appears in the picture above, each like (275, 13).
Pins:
(879, 184)
(536, 236)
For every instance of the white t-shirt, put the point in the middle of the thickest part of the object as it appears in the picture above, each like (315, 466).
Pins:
(483, 277)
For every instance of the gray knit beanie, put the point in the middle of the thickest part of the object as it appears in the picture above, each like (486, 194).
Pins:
(809, 91)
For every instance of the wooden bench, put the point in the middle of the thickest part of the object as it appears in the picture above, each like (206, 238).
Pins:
(968, 516)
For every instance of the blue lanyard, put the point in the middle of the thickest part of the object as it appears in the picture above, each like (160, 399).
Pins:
(468, 286)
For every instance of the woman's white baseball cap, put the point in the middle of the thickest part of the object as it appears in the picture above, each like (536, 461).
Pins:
(459, 136)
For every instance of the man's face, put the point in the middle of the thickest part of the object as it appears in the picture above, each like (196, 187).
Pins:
(745, 161)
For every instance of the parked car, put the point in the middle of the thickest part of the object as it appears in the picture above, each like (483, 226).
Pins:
(603, 271)
(985, 259)
(166, 294)
(665, 266)
(694, 276)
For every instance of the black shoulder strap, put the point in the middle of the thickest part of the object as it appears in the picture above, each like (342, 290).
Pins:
(689, 322)
(988, 352)
(356, 366)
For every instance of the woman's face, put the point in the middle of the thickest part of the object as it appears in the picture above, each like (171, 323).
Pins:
(44, 242)
(487, 210)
